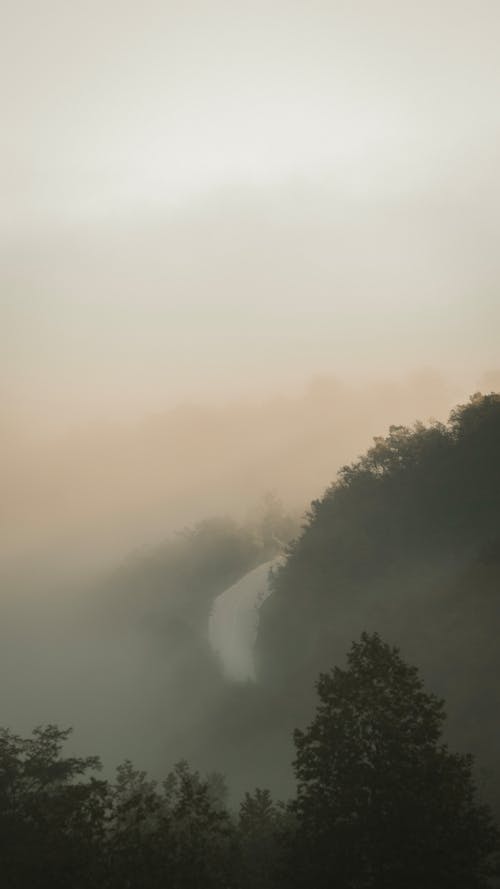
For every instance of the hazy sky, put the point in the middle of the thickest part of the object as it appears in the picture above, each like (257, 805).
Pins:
(201, 198)
(203, 206)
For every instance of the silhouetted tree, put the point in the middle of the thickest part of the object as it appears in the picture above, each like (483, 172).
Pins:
(52, 818)
(263, 828)
(382, 803)
(177, 834)
(136, 853)
(201, 834)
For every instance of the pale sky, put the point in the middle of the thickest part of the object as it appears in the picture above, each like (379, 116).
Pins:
(207, 197)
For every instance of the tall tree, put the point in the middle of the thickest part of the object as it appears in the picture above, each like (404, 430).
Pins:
(382, 803)
(52, 816)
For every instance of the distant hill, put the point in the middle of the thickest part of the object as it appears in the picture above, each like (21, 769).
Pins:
(160, 601)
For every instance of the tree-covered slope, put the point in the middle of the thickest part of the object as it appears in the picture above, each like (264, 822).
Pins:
(154, 611)
(406, 543)
(177, 581)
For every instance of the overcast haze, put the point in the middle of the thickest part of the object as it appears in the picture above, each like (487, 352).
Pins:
(205, 199)
(237, 241)
(206, 207)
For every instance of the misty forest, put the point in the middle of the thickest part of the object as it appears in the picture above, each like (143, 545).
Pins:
(249, 444)
(316, 701)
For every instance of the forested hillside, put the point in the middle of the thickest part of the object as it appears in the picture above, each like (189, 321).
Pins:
(161, 598)
(405, 542)
(402, 551)
(379, 802)
(177, 581)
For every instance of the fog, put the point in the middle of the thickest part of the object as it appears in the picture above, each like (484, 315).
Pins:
(211, 201)
(236, 245)
(233, 623)
(90, 495)
(249, 291)
(86, 646)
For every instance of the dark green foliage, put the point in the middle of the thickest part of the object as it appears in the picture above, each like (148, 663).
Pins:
(404, 543)
(427, 491)
(134, 856)
(178, 834)
(382, 803)
(408, 542)
(263, 830)
(200, 831)
(60, 829)
(51, 816)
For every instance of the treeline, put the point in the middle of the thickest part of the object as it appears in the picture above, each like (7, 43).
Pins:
(158, 604)
(380, 803)
(175, 583)
(407, 542)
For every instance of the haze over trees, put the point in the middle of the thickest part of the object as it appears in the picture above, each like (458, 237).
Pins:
(380, 803)
(76, 501)
(404, 544)
(238, 241)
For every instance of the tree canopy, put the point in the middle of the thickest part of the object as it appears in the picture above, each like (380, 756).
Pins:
(381, 802)
(405, 542)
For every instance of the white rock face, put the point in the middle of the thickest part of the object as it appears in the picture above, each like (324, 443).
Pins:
(232, 627)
